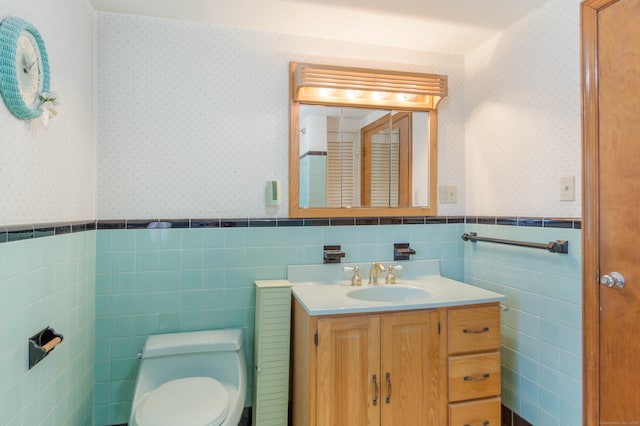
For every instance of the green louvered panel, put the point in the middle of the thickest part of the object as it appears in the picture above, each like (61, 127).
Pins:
(271, 358)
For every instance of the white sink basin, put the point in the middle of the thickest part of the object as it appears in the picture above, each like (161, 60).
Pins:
(388, 293)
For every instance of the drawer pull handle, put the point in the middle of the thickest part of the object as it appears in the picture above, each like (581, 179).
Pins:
(485, 423)
(388, 399)
(485, 376)
(470, 331)
(375, 390)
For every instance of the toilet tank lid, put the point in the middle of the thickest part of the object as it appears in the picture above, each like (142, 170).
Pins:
(192, 342)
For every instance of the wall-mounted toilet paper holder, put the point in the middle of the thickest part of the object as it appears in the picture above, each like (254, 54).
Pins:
(41, 344)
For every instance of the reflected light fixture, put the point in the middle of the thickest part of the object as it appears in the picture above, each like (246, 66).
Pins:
(361, 87)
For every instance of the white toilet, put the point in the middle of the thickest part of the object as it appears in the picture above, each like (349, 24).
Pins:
(196, 378)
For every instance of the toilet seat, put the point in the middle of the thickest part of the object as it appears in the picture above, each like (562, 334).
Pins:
(193, 401)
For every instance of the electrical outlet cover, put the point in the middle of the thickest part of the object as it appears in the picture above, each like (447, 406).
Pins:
(448, 194)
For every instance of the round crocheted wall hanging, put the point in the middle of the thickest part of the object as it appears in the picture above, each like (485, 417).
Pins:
(24, 68)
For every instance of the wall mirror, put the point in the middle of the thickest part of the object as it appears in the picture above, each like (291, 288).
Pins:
(362, 142)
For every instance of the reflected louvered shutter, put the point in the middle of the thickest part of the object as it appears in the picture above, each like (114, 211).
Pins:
(341, 169)
(385, 166)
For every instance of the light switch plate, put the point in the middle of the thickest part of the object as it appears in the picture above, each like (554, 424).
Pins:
(448, 194)
(567, 188)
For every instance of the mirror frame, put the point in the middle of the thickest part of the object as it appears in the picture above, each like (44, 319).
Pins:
(295, 211)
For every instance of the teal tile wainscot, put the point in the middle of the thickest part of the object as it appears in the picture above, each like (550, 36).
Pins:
(166, 280)
(110, 287)
(542, 329)
(47, 278)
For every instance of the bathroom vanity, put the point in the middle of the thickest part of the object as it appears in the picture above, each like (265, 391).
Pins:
(423, 352)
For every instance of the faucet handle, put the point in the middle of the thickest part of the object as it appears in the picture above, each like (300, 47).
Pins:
(391, 278)
(356, 280)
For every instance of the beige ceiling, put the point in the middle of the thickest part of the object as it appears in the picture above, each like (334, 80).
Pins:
(448, 26)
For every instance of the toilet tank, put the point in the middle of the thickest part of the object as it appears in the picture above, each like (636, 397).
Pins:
(212, 353)
(192, 342)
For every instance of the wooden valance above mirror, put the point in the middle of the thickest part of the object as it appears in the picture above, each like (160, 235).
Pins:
(331, 85)
(362, 142)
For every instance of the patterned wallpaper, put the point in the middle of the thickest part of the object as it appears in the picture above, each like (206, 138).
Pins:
(48, 175)
(523, 131)
(192, 119)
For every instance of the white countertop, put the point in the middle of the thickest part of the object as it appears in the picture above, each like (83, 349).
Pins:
(323, 289)
(331, 299)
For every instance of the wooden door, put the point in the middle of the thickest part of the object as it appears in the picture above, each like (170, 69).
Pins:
(395, 178)
(349, 371)
(410, 369)
(611, 173)
(403, 123)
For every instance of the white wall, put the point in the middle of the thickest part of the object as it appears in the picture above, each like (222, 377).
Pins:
(48, 175)
(192, 119)
(173, 137)
(523, 132)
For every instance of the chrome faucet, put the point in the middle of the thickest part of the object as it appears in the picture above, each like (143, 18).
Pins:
(373, 272)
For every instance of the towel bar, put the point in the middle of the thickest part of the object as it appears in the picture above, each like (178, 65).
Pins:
(558, 246)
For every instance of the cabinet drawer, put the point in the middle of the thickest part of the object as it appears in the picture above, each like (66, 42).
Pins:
(474, 376)
(474, 329)
(475, 413)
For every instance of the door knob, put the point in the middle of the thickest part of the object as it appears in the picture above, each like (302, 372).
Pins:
(612, 280)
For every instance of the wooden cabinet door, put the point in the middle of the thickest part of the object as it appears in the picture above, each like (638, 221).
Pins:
(348, 361)
(410, 372)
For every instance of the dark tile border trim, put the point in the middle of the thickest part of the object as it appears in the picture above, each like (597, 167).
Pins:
(111, 224)
(368, 221)
(13, 233)
(288, 222)
(508, 221)
(24, 232)
(206, 223)
(17, 233)
(317, 222)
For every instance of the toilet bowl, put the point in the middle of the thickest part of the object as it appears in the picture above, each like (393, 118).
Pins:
(195, 378)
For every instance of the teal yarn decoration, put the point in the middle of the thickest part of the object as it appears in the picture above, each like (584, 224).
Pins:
(10, 30)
